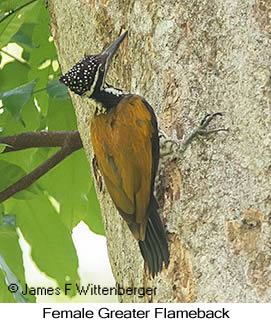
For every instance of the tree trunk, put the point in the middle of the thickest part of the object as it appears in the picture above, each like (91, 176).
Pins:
(188, 58)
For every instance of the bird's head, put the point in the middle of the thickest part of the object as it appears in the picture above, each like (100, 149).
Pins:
(88, 75)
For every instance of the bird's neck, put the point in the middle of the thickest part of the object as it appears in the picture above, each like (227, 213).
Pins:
(107, 98)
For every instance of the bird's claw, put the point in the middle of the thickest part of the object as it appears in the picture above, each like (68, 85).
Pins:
(202, 131)
(171, 148)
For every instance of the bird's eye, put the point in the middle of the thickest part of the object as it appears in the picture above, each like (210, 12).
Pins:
(102, 68)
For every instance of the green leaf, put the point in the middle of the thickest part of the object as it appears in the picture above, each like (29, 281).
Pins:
(37, 156)
(57, 90)
(61, 115)
(8, 5)
(13, 74)
(44, 49)
(69, 184)
(8, 28)
(10, 174)
(24, 36)
(5, 295)
(15, 99)
(11, 260)
(12, 24)
(11, 281)
(31, 116)
(93, 217)
(52, 248)
(3, 147)
(31, 13)
(9, 125)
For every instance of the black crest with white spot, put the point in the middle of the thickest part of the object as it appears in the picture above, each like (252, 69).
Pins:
(88, 77)
(81, 76)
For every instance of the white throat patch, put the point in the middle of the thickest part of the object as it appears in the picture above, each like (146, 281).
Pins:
(114, 91)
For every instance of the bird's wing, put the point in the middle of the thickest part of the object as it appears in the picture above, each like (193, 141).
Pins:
(122, 141)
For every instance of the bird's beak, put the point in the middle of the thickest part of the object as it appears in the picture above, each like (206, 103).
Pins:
(110, 51)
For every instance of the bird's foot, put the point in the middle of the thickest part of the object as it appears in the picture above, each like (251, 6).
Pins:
(171, 148)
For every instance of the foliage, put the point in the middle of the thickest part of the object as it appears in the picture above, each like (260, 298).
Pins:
(33, 100)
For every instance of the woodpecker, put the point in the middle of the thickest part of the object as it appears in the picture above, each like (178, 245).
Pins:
(125, 140)
(127, 146)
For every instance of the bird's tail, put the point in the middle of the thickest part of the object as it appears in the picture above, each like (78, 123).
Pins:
(154, 248)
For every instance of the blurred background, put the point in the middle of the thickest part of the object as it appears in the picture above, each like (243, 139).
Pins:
(63, 203)
(94, 267)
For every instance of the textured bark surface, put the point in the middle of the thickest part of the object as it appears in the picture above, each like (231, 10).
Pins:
(188, 58)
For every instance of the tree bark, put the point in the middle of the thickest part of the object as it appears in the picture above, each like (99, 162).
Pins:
(188, 58)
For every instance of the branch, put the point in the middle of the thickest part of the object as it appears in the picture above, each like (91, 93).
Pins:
(17, 9)
(71, 143)
(37, 139)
